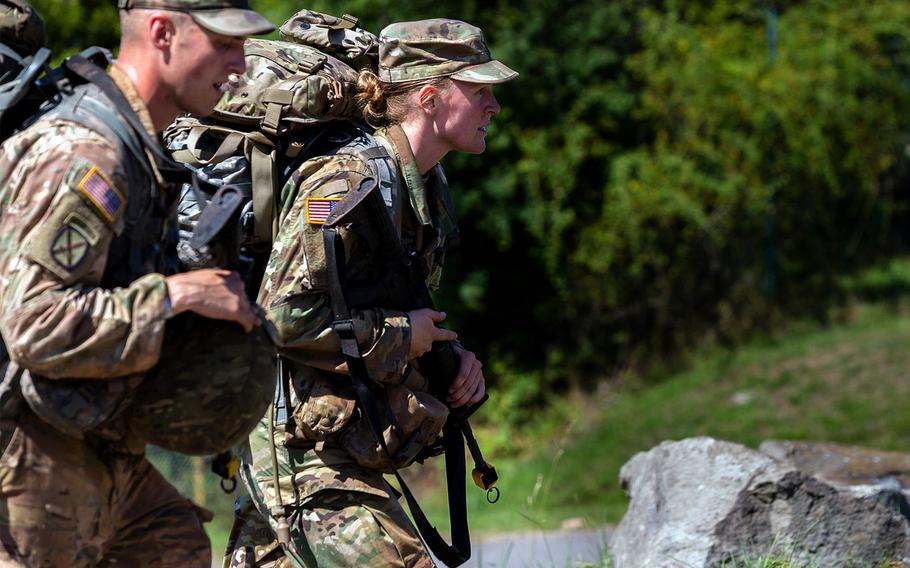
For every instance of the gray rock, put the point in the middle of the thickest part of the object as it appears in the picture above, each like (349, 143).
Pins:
(840, 464)
(701, 502)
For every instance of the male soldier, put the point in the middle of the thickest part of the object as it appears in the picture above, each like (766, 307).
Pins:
(85, 290)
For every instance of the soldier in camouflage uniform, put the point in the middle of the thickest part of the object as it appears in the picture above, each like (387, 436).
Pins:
(433, 94)
(83, 294)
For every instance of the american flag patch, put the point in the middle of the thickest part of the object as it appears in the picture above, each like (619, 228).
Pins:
(318, 209)
(100, 192)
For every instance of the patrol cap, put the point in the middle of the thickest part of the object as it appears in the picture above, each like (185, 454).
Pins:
(226, 17)
(427, 49)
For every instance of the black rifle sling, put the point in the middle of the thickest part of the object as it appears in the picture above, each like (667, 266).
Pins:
(460, 550)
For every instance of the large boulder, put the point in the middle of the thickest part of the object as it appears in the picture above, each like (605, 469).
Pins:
(839, 464)
(701, 502)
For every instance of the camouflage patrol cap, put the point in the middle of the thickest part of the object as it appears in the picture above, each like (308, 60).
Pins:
(226, 17)
(427, 49)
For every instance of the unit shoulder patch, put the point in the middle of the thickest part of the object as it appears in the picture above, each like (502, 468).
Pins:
(69, 247)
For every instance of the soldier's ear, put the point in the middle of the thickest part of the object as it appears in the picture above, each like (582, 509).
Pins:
(427, 99)
(161, 29)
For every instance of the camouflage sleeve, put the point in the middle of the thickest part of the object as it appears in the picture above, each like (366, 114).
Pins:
(63, 202)
(295, 293)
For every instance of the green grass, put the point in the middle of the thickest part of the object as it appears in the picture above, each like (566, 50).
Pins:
(844, 384)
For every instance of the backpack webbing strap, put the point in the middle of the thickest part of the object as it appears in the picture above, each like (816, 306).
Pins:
(262, 173)
(230, 145)
(233, 143)
(459, 551)
(373, 153)
(261, 152)
(307, 62)
(276, 101)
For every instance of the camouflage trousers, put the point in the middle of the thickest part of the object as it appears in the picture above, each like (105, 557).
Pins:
(76, 503)
(339, 516)
(335, 529)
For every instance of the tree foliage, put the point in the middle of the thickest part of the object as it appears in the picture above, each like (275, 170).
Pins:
(661, 170)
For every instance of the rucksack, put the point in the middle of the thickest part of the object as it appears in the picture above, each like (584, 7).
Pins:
(293, 94)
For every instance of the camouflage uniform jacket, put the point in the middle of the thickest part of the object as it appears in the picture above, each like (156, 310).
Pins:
(296, 300)
(77, 299)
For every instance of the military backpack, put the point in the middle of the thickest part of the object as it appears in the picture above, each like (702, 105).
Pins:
(295, 97)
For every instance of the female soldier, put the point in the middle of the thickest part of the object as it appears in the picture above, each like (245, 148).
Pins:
(432, 95)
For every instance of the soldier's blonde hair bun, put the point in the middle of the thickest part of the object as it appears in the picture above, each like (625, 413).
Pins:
(383, 103)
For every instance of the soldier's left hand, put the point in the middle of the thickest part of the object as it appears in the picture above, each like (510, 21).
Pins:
(468, 387)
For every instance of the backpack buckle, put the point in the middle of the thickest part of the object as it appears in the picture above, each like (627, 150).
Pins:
(348, 22)
(309, 63)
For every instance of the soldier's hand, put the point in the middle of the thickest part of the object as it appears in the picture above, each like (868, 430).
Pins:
(213, 293)
(424, 331)
(468, 387)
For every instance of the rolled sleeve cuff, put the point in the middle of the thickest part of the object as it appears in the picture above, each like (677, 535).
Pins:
(387, 357)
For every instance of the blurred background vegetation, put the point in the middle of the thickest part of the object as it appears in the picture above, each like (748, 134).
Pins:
(665, 178)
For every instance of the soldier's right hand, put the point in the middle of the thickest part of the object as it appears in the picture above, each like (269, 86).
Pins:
(424, 331)
(213, 293)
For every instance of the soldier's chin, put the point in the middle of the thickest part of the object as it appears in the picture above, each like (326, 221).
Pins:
(201, 107)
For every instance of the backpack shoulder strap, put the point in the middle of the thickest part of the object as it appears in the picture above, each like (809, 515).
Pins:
(384, 168)
(7, 51)
(84, 69)
(77, 106)
(255, 146)
(459, 551)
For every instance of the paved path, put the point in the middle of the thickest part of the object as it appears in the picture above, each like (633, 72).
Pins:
(561, 549)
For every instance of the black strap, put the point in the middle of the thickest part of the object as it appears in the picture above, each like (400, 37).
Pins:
(111, 119)
(282, 391)
(91, 73)
(459, 551)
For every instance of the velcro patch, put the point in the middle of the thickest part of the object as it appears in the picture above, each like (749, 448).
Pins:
(69, 247)
(102, 194)
(318, 209)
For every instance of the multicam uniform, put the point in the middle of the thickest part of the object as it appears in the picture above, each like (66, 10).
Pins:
(343, 512)
(82, 296)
